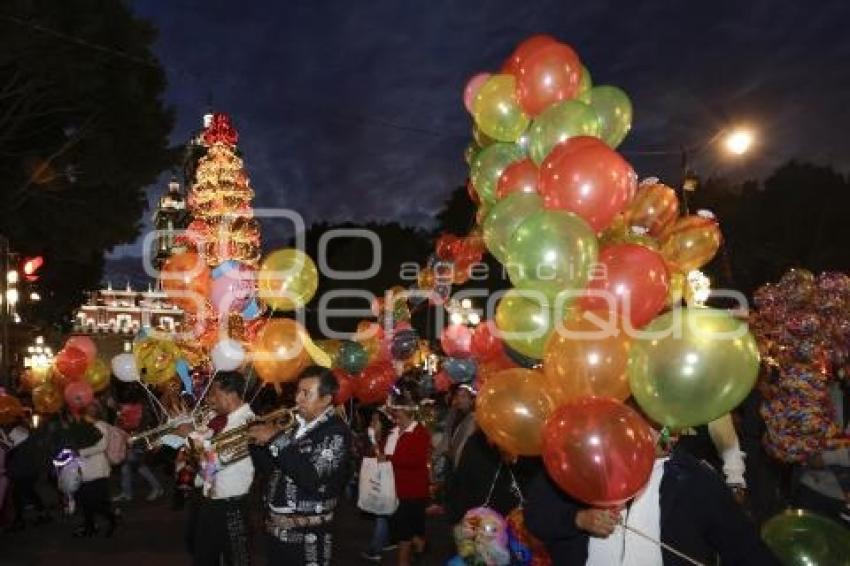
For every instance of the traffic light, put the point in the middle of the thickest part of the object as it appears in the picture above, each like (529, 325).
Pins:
(30, 267)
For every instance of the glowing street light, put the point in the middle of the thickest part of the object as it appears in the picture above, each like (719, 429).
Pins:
(739, 141)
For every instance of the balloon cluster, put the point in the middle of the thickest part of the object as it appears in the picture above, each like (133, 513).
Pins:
(451, 264)
(73, 379)
(802, 324)
(228, 292)
(482, 538)
(593, 257)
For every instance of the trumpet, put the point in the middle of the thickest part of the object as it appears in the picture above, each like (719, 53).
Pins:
(152, 436)
(233, 445)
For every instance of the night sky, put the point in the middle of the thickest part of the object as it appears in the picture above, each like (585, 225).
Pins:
(352, 110)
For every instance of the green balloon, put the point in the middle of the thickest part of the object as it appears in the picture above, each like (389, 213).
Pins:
(488, 165)
(557, 124)
(550, 252)
(526, 322)
(505, 217)
(803, 538)
(689, 367)
(584, 86)
(496, 110)
(352, 356)
(615, 113)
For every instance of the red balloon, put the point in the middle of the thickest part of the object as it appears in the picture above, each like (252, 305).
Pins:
(447, 246)
(78, 394)
(598, 450)
(524, 50)
(346, 386)
(518, 177)
(592, 181)
(373, 384)
(442, 382)
(85, 344)
(456, 340)
(634, 279)
(549, 74)
(72, 363)
(486, 344)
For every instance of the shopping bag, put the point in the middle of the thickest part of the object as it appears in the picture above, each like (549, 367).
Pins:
(377, 487)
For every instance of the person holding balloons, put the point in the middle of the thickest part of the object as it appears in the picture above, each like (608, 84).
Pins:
(684, 513)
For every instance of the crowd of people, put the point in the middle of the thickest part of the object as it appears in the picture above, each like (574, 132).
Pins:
(696, 502)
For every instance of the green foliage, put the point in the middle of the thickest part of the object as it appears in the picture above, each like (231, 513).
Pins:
(83, 129)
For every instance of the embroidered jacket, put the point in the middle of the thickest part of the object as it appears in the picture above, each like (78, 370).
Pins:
(311, 466)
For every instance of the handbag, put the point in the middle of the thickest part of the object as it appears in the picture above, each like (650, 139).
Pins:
(377, 493)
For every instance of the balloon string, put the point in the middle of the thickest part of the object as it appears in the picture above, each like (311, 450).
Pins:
(663, 545)
(158, 404)
(203, 394)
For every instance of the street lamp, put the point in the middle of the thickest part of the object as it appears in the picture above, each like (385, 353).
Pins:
(739, 141)
(736, 142)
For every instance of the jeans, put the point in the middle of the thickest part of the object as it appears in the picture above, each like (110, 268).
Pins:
(380, 534)
(134, 457)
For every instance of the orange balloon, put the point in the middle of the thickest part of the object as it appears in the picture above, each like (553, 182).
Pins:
(512, 407)
(578, 364)
(654, 207)
(186, 279)
(279, 352)
(690, 242)
(47, 399)
(10, 409)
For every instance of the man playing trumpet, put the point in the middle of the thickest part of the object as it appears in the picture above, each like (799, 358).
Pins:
(218, 529)
(310, 467)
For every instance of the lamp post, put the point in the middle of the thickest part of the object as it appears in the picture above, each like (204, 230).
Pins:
(735, 142)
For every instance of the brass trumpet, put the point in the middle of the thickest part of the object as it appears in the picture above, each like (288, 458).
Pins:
(152, 436)
(233, 445)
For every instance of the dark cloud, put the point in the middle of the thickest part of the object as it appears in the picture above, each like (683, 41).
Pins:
(352, 110)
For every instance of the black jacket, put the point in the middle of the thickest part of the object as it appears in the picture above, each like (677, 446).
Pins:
(308, 474)
(698, 517)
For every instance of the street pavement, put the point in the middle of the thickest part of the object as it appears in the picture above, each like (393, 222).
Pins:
(151, 534)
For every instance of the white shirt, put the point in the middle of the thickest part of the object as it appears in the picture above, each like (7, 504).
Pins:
(624, 548)
(234, 479)
(395, 434)
(93, 462)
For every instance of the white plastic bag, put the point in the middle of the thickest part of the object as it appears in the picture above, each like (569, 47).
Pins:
(377, 487)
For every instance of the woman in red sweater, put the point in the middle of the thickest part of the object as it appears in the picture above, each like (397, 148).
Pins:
(408, 447)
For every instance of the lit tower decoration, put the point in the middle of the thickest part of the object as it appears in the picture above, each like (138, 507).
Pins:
(224, 227)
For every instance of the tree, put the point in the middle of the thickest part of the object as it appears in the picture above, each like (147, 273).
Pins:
(795, 218)
(83, 129)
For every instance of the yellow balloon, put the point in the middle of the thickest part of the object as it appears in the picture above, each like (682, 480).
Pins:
(156, 360)
(288, 279)
(47, 399)
(497, 111)
(690, 242)
(98, 375)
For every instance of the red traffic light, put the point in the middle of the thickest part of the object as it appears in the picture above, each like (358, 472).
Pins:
(30, 267)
